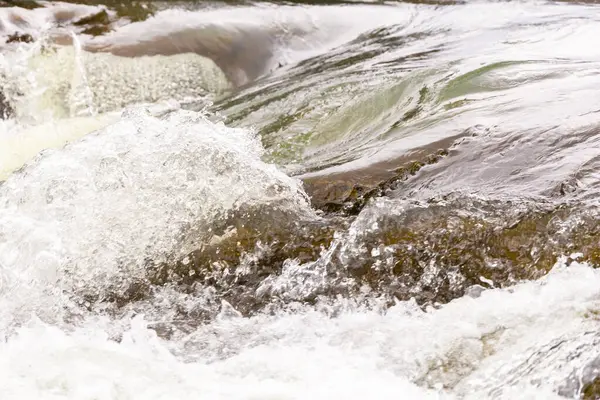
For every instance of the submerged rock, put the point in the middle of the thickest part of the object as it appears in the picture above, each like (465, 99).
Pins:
(255, 246)
(27, 4)
(19, 38)
(591, 391)
(584, 383)
(95, 24)
(349, 192)
(434, 252)
(5, 108)
(132, 10)
(28, 21)
(145, 191)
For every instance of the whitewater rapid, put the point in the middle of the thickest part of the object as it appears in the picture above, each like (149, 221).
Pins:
(150, 184)
(477, 347)
(158, 238)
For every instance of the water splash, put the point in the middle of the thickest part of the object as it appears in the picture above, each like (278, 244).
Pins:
(81, 94)
(155, 189)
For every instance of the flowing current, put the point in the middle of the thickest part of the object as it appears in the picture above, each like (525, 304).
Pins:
(264, 201)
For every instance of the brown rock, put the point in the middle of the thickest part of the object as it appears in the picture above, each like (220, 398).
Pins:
(348, 192)
(19, 38)
(5, 108)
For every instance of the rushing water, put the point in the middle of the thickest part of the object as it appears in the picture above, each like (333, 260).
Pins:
(266, 201)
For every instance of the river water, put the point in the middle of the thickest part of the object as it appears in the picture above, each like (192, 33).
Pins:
(205, 200)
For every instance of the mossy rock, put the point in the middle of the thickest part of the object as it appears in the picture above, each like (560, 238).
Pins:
(591, 391)
(432, 254)
(248, 246)
(435, 253)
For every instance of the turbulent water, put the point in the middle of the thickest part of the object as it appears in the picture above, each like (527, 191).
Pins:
(296, 201)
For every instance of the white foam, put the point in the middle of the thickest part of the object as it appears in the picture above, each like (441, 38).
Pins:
(57, 94)
(309, 353)
(145, 188)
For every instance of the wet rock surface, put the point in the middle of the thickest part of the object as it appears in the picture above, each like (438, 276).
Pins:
(433, 253)
(132, 10)
(95, 24)
(28, 21)
(245, 248)
(584, 383)
(5, 108)
(27, 4)
(19, 38)
(349, 192)
(592, 390)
